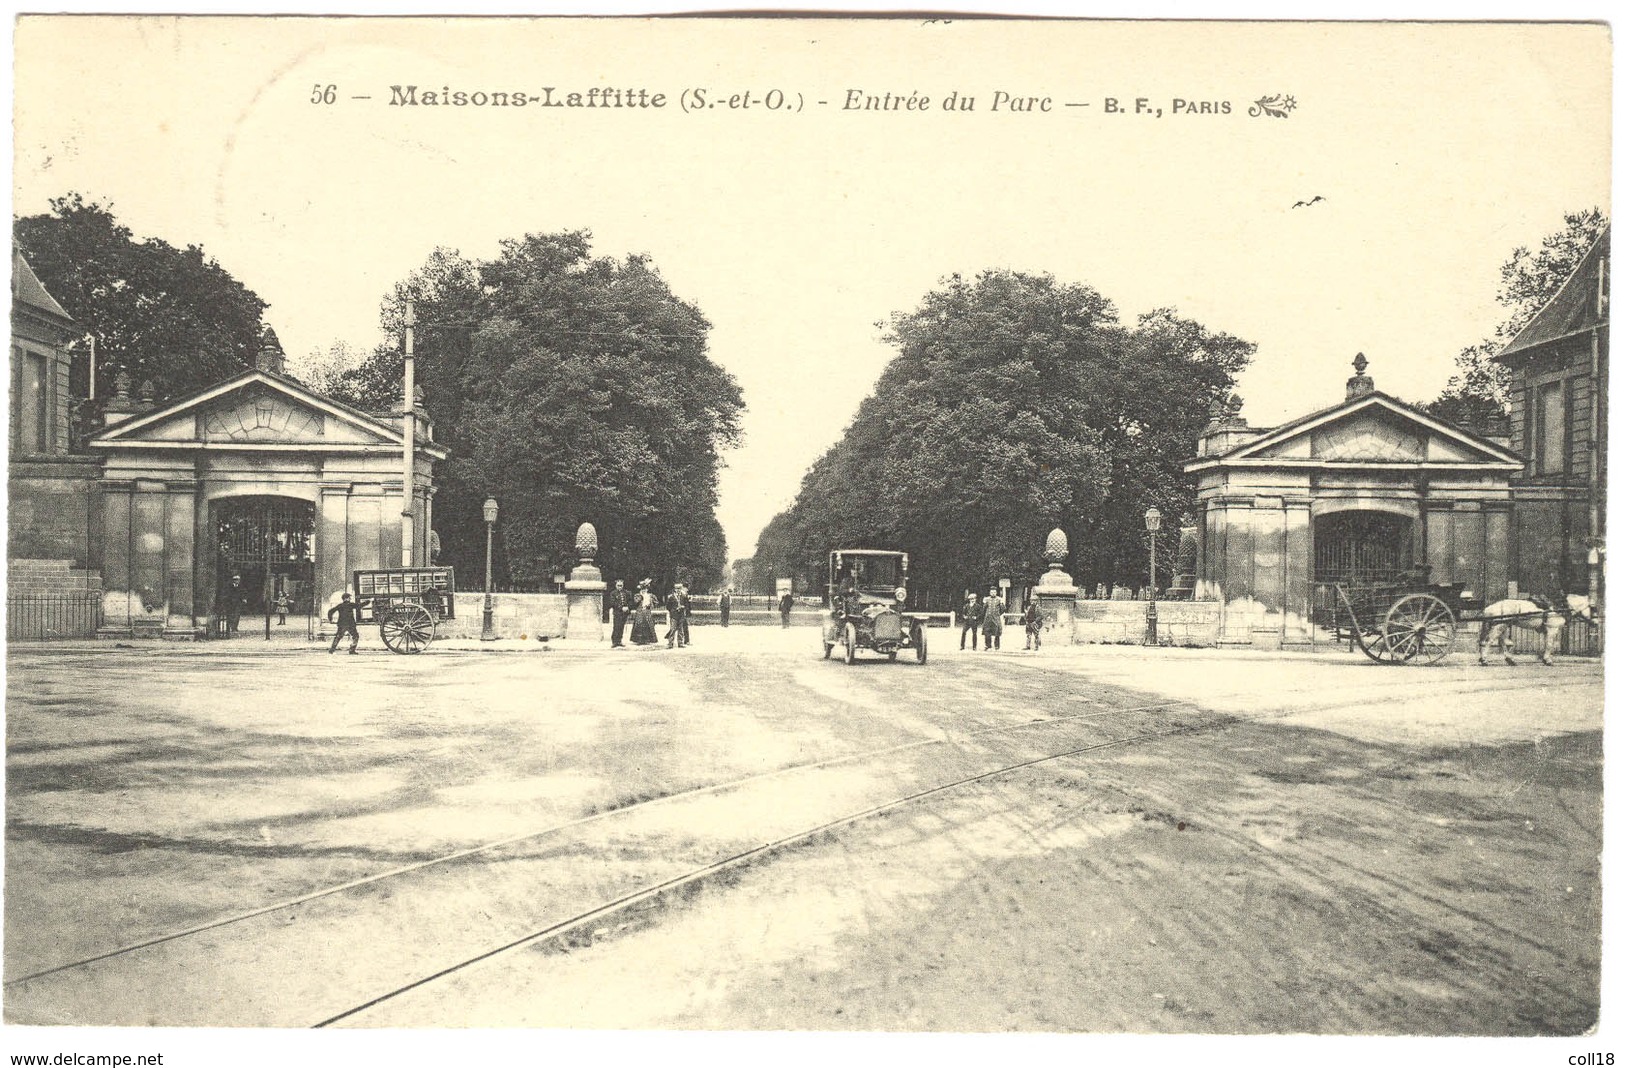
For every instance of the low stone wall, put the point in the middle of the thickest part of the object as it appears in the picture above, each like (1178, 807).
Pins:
(1188, 623)
(533, 615)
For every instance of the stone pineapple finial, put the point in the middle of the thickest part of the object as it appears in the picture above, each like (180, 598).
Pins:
(1055, 550)
(586, 542)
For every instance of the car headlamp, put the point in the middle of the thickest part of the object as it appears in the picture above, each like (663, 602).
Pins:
(902, 594)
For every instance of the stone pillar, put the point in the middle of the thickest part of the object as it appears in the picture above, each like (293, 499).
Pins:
(332, 570)
(1238, 606)
(1497, 524)
(149, 610)
(584, 592)
(1057, 596)
(205, 557)
(1269, 572)
(1297, 590)
(180, 546)
(116, 597)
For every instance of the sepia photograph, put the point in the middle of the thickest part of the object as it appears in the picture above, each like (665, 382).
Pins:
(688, 535)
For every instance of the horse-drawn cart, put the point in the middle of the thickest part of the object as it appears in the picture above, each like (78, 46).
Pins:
(407, 603)
(1410, 621)
(1403, 622)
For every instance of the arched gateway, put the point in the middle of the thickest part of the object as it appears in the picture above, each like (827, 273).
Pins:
(257, 476)
(268, 543)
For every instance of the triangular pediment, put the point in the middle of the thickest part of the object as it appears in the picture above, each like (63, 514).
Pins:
(1372, 429)
(256, 409)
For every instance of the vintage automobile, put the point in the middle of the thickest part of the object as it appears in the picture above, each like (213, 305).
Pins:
(868, 601)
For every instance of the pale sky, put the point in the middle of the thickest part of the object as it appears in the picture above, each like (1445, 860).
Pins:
(1437, 150)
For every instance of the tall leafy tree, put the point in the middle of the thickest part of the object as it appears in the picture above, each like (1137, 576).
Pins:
(572, 388)
(168, 315)
(1529, 279)
(1015, 404)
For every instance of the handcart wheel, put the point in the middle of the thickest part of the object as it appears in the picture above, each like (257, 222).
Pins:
(1419, 629)
(407, 628)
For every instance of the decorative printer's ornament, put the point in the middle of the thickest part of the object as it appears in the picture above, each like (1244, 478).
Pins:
(1276, 107)
(586, 542)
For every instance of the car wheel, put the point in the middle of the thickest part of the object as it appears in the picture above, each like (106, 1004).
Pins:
(919, 645)
(851, 643)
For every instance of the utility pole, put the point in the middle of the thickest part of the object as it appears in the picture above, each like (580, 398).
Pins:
(409, 423)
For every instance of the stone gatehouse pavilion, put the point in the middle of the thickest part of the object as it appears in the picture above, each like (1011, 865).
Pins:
(1360, 491)
(151, 514)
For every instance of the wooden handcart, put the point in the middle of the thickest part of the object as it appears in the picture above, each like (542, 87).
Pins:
(1403, 622)
(407, 603)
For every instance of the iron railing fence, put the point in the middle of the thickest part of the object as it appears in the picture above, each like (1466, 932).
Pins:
(53, 616)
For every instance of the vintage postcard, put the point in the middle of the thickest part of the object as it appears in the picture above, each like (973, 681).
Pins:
(902, 526)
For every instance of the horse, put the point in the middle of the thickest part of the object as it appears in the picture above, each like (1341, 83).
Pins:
(1502, 616)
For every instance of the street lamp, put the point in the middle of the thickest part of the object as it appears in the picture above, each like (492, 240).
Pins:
(1153, 523)
(488, 634)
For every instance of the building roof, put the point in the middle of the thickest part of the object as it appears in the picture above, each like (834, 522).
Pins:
(26, 288)
(128, 432)
(1262, 449)
(1573, 309)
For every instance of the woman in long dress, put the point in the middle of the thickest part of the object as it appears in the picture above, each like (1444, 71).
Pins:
(643, 618)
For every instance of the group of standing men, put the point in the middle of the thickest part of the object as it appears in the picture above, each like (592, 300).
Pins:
(987, 618)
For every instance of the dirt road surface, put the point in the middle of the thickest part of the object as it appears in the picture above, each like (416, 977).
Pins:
(1250, 844)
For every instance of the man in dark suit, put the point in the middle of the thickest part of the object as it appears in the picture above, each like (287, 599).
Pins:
(620, 605)
(970, 620)
(726, 605)
(677, 617)
(233, 597)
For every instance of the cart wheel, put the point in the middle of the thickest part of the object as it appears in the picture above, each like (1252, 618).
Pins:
(851, 643)
(1419, 629)
(919, 644)
(1374, 644)
(407, 628)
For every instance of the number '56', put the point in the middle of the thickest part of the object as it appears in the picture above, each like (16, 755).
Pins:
(324, 94)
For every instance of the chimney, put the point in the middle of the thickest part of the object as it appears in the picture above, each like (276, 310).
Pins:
(270, 358)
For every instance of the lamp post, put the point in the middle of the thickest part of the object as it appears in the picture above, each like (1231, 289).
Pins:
(488, 633)
(1153, 523)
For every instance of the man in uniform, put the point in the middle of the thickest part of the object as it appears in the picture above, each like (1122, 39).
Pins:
(725, 605)
(992, 619)
(620, 605)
